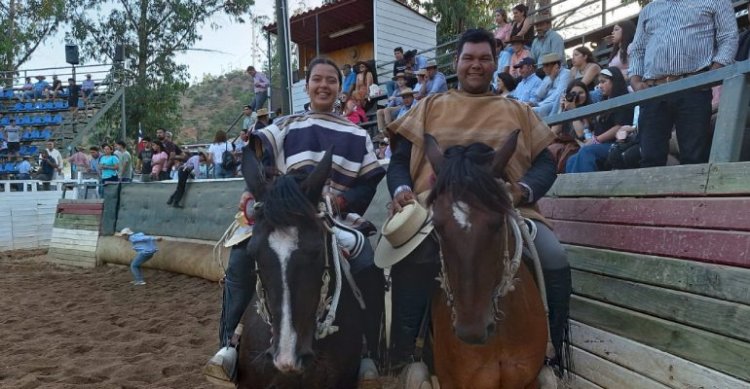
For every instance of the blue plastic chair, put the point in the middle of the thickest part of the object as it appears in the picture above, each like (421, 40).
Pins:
(4, 121)
(28, 106)
(58, 105)
(18, 107)
(49, 106)
(57, 119)
(65, 105)
(11, 167)
(37, 121)
(9, 94)
(26, 136)
(24, 121)
(46, 134)
(2, 137)
(24, 150)
(47, 119)
(36, 135)
(33, 150)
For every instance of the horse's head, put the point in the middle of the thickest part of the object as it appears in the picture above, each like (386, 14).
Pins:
(289, 246)
(470, 204)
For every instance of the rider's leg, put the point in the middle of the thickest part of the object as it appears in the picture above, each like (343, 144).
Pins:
(239, 288)
(371, 283)
(557, 281)
(413, 282)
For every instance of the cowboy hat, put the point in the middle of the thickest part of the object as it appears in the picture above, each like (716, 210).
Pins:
(516, 39)
(262, 112)
(125, 231)
(399, 75)
(543, 18)
(550, 58)
(406, 92)
(239, 231)
(431, 64)
(402, 233)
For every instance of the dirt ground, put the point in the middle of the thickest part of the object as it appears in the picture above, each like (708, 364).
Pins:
(63, 327)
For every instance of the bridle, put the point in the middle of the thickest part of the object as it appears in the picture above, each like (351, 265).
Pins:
(327, 305)
(510, 268)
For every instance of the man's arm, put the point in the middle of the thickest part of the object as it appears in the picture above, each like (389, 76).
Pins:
(438, 84)
(540, 177)
(558, 45)
(398, 175)
(359, 197)
(726, 34)
(637, 52)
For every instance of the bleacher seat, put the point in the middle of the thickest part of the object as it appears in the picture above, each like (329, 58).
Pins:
(39, 106)
(28, 106)
(65, 105)
(17, 107)
(2, 169)
(2, 137)
(11, 167)
(5, 121)
(37, 121)
(32, 150)
(24, 121)
(58, 105)
(23, 150)
(49, 106)
(57, 119)
(46, 134)
(81, 104)
(9, 94)
(36, 135)
(26, 136)
(47, 119)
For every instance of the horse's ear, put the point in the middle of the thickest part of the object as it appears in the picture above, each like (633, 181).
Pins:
(433, 152)
(253, 172)
(503, 155)
(313, 184)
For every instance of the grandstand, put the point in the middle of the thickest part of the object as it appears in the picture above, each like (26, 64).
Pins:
(50, 117)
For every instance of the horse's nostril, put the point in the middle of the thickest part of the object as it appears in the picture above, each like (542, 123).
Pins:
(268, 354)
(304, 359)
(491, 328)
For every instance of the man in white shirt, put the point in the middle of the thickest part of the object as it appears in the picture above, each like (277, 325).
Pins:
(55, 154)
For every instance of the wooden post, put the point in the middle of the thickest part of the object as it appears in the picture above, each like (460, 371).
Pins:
(732, 120)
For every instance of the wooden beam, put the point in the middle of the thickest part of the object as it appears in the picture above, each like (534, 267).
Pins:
(718, 352)
(658, 365)
(730, 178)
(717, 281)
(724, 247)
(732, 119)
(702, 212)
(713, 315)
(607, 374)
(686, 180)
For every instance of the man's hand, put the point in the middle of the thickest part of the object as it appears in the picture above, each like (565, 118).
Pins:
(400, 200)
(636, 82)
(159, 239)
(246, 196)
(715, 65)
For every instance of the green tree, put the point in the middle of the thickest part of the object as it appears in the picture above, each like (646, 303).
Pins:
(25, 25)
(454, 17)
(152, 32)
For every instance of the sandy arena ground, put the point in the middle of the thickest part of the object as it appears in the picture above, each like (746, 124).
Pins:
(63, 327)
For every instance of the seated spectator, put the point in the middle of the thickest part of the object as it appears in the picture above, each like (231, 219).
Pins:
(263, 119)
(553, 86)
(414, 63)
(584, 68)
(407, 96)
(506, 84)
(353, 110)
(41, 88)
(519, 54)
(349, 78)
(529, 82)
(27, 90)
(522, 24)
(434, 82)
(399, 66)
(56, 88)
(576, 96)
(604, 127)
(87, 88)
(421, 79)
(625, 153)
(547, 40)
(622, 36)
(364, 79)
(385, 115)
(24, 169)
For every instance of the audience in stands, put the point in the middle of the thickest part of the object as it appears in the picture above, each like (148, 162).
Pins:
(56, 88)
(506, 84)
(248, 121)
(529, 82)
(407, 98)
(263, 119)
(569, 134)
(414, 63)
(349, 79)
(159, 161)
(547, 40)
(521, 25)
(79, 162)
(695, 40)
(74, 92)
(144, 158)
(41, 88)
(27, 90)
(87, 88)
(622, 37)
(13, 137)
(553, 86)
(24, 169)
(365, 78)
(519, 53)
(399, 66)
(502, 37)
(260, 86)
(55, 154)
(216, 155)
(125, 172)
(353, 109)
(434, 81)
(584, 68)
(421, 79)
(604, 127)
(109, 165)
(386, 115)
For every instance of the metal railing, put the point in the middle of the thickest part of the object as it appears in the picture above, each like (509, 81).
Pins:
(733, 106)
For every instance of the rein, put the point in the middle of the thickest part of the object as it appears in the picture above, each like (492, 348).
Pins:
(327, 305)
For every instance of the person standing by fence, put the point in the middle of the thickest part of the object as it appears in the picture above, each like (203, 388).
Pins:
(260, 85)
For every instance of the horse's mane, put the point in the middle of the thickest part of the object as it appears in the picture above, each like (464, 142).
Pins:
(466, 174)
(285, 204)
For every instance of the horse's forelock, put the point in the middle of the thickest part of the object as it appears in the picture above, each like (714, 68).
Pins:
(286, 205)
(466, 175)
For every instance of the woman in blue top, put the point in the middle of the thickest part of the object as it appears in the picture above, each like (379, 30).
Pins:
(109, 165)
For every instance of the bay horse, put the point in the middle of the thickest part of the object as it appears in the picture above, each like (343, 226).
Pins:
(489, 322)
(290, 342)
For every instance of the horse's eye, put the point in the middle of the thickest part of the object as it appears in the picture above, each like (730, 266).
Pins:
(495, 226)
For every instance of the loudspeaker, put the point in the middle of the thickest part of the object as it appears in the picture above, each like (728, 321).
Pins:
(119, 53)
(71, 54)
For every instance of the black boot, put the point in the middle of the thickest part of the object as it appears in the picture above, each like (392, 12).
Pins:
(559, 287)
(371, 283)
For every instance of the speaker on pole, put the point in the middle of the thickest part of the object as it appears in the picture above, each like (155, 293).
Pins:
(71, 54)
(119, 53)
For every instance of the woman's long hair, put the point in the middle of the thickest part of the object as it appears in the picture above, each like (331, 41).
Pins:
(586, 53)
(619, 86)
(628, 33)
(580, 84)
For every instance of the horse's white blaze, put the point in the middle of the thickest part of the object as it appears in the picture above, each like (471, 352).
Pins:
(461, 214)
(283, 242)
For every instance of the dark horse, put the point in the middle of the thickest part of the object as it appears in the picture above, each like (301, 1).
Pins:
(490, 328)
(281, 345)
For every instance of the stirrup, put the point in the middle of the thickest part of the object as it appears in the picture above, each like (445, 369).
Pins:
(220, 368)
